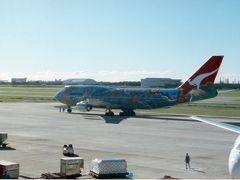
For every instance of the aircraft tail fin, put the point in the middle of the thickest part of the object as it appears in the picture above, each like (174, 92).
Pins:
(205, 75)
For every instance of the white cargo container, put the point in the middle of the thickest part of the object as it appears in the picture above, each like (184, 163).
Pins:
(108, 167)
(71, 166)
(9, 170)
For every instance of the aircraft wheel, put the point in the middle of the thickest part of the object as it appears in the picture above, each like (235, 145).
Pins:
(89, 108)
(69, 110)
(132, 113)
(127, 113)
(123, 113)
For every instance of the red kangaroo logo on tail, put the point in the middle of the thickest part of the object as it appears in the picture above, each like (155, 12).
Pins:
(197, 80)
(206, 74)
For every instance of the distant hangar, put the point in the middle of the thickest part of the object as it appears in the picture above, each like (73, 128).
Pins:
(19, 80)
(80, 82)
(160, 82)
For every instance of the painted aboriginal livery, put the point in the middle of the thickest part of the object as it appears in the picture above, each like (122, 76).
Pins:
(199, 86)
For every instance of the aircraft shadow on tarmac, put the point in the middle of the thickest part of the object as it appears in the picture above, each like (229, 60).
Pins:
(117, 119)
(8, 148)
(100, 117)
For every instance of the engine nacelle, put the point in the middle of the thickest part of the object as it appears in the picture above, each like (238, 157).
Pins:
(234, 160)
(84, 106)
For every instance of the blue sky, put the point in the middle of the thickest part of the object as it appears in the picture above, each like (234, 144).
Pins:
(117, 40)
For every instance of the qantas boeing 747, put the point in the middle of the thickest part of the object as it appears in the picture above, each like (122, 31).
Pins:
(199, 86)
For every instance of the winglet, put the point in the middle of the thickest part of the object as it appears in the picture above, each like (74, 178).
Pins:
(205, 75)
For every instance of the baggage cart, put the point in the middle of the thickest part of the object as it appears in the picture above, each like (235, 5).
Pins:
(108, 167)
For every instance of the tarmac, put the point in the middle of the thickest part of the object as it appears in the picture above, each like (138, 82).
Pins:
(154, 145)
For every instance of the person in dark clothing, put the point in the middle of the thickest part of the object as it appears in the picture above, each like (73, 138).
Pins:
(187, 161)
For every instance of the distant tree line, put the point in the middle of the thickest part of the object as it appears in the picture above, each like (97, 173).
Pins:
(227, 86)
(220, 85)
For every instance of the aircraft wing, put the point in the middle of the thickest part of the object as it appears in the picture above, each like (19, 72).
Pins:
(226, 126)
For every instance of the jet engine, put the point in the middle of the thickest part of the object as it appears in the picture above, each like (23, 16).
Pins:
(234, 160)
(84, 105)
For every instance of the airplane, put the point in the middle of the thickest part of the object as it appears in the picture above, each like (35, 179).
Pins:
(234, 157)
(199, 86)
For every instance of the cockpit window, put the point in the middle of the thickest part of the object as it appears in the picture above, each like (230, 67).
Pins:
(75, 91)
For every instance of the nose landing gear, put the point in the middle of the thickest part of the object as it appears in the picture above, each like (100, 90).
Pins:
(69, 110)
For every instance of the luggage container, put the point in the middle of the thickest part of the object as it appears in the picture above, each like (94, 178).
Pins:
(71, 166)
(3, 139)
(108, 167)
(9, 170)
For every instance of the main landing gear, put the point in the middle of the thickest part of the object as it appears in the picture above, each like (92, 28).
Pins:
(127, 113)
(69, 110)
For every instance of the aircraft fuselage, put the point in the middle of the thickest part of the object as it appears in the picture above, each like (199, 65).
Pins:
(119, 98)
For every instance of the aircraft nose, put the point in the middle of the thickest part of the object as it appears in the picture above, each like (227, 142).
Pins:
(234, 164)
(59, 96)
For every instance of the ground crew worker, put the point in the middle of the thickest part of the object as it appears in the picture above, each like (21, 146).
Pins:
(187, 161)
